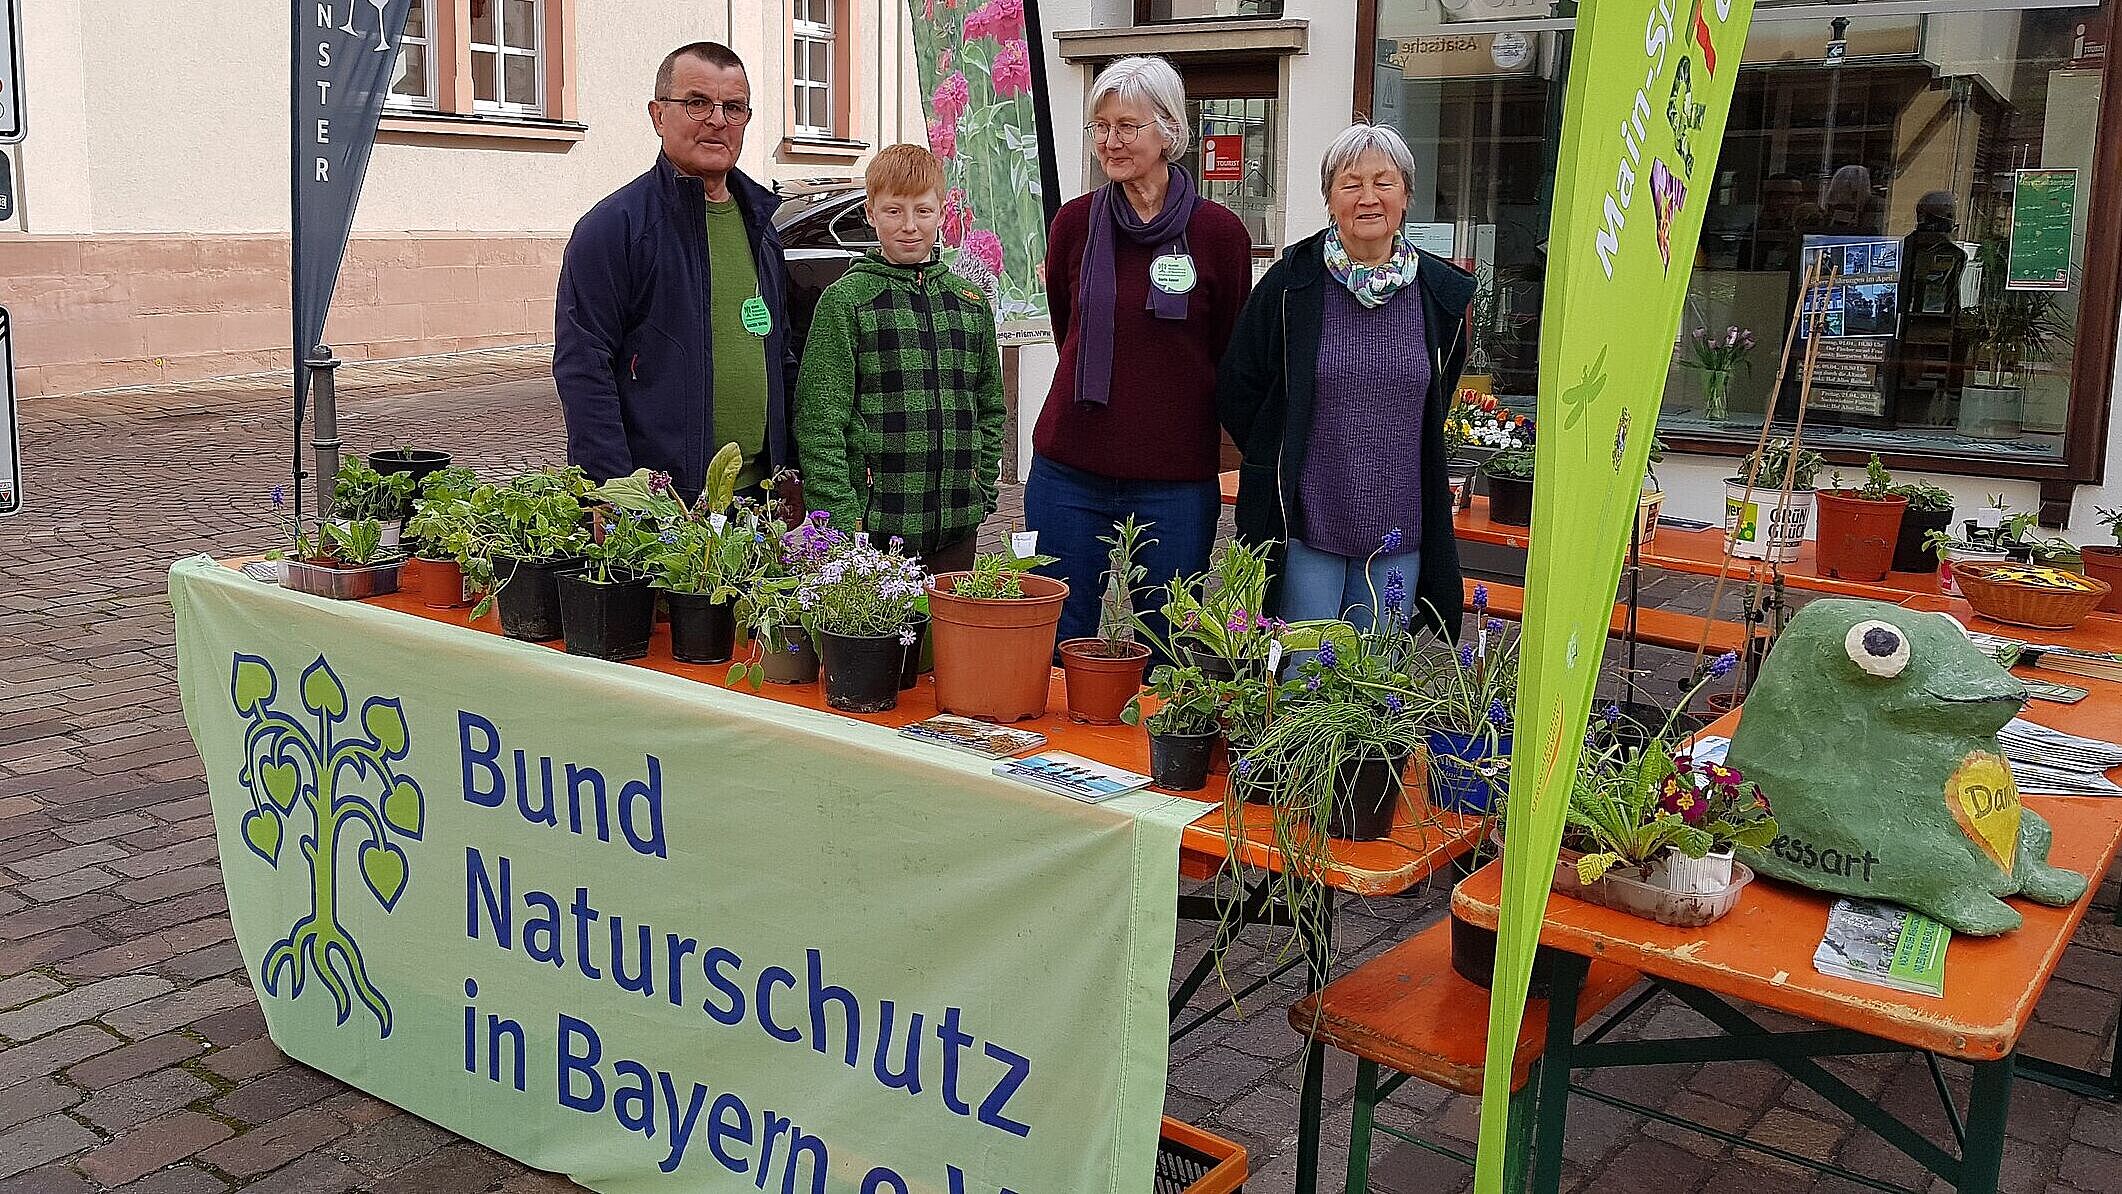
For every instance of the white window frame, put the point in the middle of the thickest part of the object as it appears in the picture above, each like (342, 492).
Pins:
(806, 33)
(502, 53)
(425, 46)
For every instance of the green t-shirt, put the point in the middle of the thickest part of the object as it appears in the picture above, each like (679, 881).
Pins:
(740, 355)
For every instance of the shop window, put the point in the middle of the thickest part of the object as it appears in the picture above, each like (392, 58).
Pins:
(1154, 12)
(413, 85)
(1233, 157)
(1945, 167)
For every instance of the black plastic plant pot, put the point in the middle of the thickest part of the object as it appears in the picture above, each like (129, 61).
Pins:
(606, 619)
(1510, 501)
(910, 671)
(861, 674)
(1366, 796)
(789, 658)
(1911, 553)
(1474, 958)
(701, 631)
(418, 462)
(1179, 762)
(527, 597)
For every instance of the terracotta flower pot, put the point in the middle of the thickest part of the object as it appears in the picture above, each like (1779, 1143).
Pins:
(1099, 686)
(438, 583)
(1857, 535)
(2105, 563)
(994, 659)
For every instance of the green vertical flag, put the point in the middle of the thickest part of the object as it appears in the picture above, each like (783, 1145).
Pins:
(1650, 86)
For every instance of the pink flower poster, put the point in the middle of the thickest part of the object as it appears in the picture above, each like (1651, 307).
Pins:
(976, 91)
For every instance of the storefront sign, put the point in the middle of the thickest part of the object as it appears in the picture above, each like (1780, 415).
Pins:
(1649, 91)
(1869, 403)
(1223, 158)
(1461, 55)
(13, 120)
(11, 434)
(2043, 212)
(657, 935)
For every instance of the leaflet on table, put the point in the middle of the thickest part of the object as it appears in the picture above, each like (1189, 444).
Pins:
(1884, 945)
(2100, 665)
(2049, 762)
(981, 738)
(1073, 776)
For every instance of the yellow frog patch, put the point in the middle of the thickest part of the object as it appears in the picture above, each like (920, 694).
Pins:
(1985, 803)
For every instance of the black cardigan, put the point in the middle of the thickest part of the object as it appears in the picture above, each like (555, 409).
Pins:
(1265, 393)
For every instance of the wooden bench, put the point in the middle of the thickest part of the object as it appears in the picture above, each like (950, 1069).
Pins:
(1658, 627)
(1408, 1011)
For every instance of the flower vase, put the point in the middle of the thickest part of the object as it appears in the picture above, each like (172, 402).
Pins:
(1718, 383)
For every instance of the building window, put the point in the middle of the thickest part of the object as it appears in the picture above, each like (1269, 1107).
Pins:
(506, 39)
(1947, 165)
(413, 84)
(1158, 12)
(811, 69)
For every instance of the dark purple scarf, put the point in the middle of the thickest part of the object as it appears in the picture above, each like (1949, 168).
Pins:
(1112, 215)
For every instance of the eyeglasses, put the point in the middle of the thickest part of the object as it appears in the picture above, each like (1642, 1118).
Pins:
(1118, 134)
(733, 111)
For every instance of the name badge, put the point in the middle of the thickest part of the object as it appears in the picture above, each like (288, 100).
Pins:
(757, 320)
(1173, 273)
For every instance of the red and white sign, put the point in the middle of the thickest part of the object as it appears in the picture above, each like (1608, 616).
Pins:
(1223, 158)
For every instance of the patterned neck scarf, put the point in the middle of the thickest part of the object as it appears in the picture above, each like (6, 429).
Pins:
(1373, 284)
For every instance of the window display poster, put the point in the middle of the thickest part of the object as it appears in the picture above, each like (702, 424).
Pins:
(1866, 297)
(2043, 209)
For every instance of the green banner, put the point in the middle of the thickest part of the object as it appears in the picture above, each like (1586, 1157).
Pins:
(653, 934)
(2044, 213)
(975, 73)
(1649, 90)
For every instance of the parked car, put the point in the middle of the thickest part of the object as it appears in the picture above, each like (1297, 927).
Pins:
(823, 230)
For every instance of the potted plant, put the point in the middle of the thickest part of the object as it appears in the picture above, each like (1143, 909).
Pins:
(1475, 429)
(859, 605)
(2022, 540)
(1930, 508)
(1104, 673)
(607, 609)
(1651, 502)
(706, 555)
(993, 629)
(1779, 535)
(529, 530)
(442, 538)
(1859, 527)
(782, 651)
(418, 464)
(2104, 561)
(1471, 692)
(360, 492)
(1717, 356)
(1510, 486)
(347, 562)
(1216, 617)
(1183, 729)
(1952, 552)
(2011, 330)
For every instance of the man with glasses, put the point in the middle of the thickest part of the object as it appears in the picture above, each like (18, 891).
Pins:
(670, 329)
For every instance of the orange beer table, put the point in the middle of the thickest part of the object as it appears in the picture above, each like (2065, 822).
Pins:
(1761, 954)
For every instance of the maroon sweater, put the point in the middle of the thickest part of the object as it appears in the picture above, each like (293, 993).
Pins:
(1160, 423)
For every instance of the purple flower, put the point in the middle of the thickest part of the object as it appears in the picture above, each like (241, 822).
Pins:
(1193, 619)
(669, 536)
(1612, 714)
(1591, 738)
(1395, 589)
(1494, 625)
(1238, 623)
(1392, 541)
(279, 496)
(1242, 765)
(1393, 704)
(906, 636)
(1481, 599)
(1466, 655)
(1329, 658)
(1723, 665)
(1311, 684)
(897, 543)
(1498, 713)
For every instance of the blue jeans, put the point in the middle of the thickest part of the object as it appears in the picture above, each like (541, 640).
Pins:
(1318, 584)
(1072, 509)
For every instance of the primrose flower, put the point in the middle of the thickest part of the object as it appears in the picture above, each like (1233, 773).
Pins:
(1498, 713)
(1329, 658)
(1723, 665)
(1392, 541)
(1238, 622)
(1466, 655)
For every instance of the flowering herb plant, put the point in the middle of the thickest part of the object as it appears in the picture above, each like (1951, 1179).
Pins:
(1478, 420)
(1219, 613)
(1513, 463)
(1472, 688)
(861, 591)
(621, 549)
(998, 576)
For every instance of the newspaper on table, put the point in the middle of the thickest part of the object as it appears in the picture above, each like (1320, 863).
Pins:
(1073, 776)
(982, 738)
(1885, 945)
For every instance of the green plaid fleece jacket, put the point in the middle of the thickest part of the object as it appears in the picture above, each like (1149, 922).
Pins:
(899, 410)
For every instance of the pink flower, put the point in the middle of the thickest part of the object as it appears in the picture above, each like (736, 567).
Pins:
(999, 19)
(943, 138)
(987, 247)
(1012, 70)
(952, 96)
(957, 215)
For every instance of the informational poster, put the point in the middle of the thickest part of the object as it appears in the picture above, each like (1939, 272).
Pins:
(1861, 312)
(1223, 158)
(977, 79)
(1435, 237)
(2044, 207)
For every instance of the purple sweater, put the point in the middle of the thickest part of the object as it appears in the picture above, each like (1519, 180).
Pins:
(1363, 470)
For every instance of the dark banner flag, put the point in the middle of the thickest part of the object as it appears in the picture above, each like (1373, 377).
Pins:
(345, 52)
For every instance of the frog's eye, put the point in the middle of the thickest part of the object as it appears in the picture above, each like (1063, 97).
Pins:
(1879, 648)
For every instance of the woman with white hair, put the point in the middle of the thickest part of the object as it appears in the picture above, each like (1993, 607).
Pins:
(1144, 279)
(1336, 386)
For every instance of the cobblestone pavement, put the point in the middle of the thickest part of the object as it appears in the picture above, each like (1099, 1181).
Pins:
(132, 1052)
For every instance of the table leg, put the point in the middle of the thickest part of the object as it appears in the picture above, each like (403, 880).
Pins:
(1990, 1101)
(1553, 1096)
(1318, 955)
(1524, 1110)
(1359, 1125)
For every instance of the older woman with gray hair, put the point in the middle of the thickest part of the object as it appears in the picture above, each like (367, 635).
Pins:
(1144, 280)
(1336, 386)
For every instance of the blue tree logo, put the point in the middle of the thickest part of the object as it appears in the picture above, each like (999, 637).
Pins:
(353, 794)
